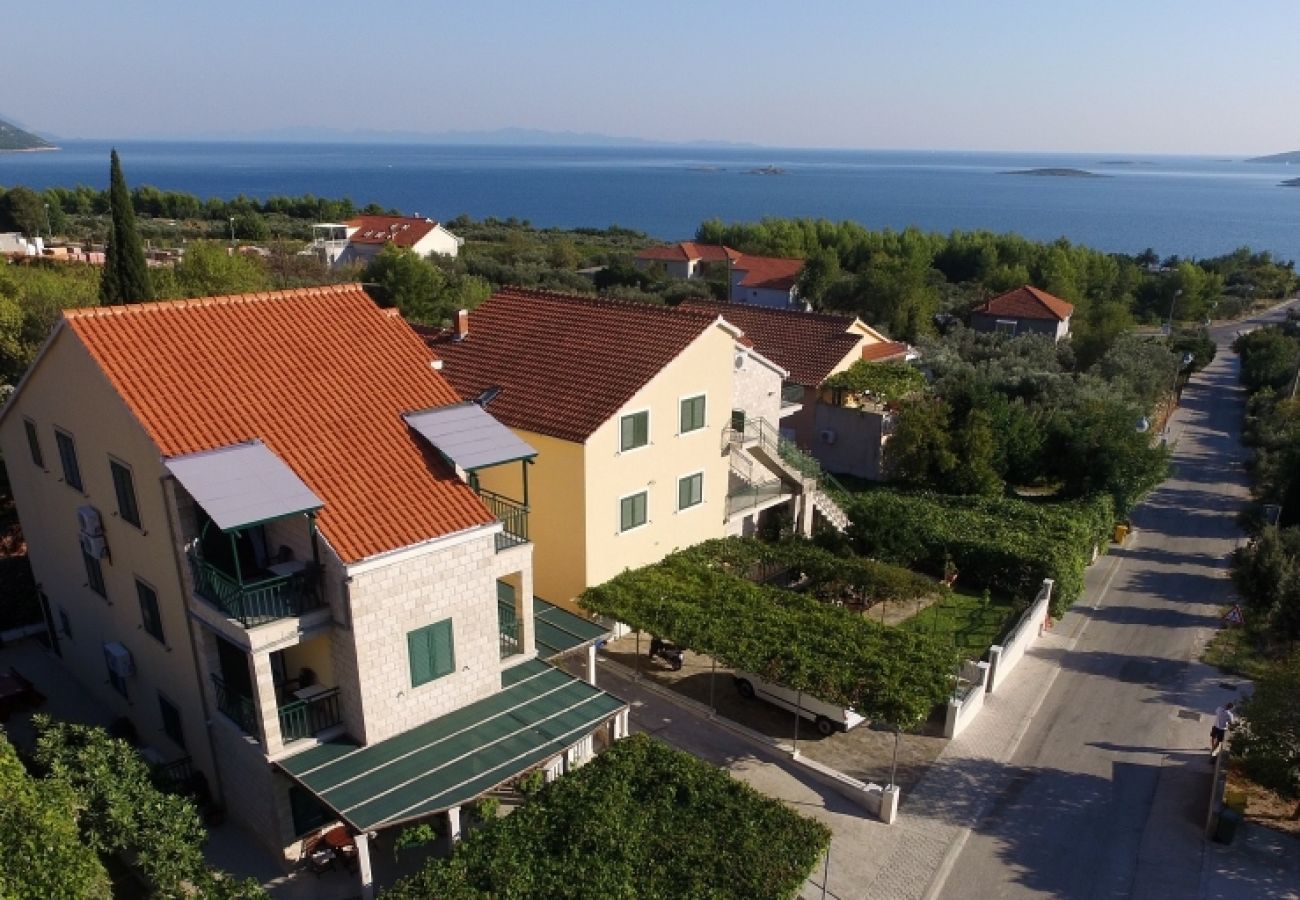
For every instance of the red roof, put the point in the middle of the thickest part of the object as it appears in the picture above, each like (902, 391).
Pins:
(404, 231)
(684, 251)
(320, 375)
(807, 345)
(565, 364)
(887, 350)
(770, 272)
(1027, 303)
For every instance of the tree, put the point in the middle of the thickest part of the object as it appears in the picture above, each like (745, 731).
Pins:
(414, 285)
(44, 855)
(209, 269)
(920, 452)
(1270, 733)
(126, 277)
(1266, 573)
(820, 271)
(21, 209)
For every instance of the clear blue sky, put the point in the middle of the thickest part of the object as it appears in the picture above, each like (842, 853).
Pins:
(1175, 76)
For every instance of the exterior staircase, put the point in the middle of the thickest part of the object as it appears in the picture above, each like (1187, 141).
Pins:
(825, 496)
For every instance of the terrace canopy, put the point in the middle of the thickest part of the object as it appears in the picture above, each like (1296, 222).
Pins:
(242, 485)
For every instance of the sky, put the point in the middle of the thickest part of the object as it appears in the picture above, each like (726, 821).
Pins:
(1153, 76)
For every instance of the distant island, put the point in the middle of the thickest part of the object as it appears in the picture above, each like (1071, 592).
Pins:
(1291, 182)
(1126, 162)
(768, 170)
(14, 140)
(1056, 173)
(1292, 156)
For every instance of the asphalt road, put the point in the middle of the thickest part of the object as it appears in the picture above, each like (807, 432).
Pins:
(1108, 787)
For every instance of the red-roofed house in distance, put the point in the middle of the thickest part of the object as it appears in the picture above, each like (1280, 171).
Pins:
(843, 435)
(756, 280)
(1024, 310)
(255, 527)
(359, 240)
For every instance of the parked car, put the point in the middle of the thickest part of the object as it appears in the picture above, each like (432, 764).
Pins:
(827, 717)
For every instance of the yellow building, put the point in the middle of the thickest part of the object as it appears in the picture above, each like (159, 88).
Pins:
(637, 413)
(252, 527)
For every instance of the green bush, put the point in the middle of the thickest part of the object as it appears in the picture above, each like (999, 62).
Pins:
(641, 820)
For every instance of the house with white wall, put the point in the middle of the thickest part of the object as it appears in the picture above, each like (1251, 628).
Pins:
(359, 240)
(257, 534)
(1024, 310)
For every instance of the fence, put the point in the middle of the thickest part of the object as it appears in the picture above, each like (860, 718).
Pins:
(967, 697)
(1004, 657)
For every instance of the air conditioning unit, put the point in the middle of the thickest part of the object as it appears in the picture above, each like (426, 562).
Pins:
(828, 435)
(88, 521)
(94, 545)
(118, 660)
(740, 360)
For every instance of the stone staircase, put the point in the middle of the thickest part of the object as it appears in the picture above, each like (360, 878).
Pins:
(826, 496)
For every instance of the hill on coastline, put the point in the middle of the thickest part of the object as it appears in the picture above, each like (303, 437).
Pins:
(1292, 156)
(14, 138)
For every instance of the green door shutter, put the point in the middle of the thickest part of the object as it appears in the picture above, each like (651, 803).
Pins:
(444, 653)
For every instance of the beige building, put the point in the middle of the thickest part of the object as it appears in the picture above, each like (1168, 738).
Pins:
(359, 240)
(638, 414)
(254, 531)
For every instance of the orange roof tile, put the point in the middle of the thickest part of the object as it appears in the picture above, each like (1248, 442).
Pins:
(565, 364)
(773, 273)
(404, 231)
(807, 345)
(885, 351)
(320, 375)
(1027, 303)
(684, 251)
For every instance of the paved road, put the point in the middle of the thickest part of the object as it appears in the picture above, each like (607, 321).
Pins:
(1104, 795)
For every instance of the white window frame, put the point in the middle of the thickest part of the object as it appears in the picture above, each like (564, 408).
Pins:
(1000, 326)
(697, 505)
(621, 529)
(649, 429)
(704, 426)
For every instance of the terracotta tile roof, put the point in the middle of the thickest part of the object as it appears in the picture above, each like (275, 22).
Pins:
(320, 375)
(885, 351)
(683, 251)
(807, 345)
(770, 272)
(404, 231)
(565, 364)
(1027, 303)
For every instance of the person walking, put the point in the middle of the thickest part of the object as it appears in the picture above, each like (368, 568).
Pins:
(1224, 718)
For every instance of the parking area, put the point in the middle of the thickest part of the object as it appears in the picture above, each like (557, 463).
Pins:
(866, 752)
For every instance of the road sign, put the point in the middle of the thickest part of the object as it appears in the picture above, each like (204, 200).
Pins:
(1234, 616)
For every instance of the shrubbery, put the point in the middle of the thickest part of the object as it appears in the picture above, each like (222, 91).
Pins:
(641, 820)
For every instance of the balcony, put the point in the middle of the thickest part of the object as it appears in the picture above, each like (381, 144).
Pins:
(513, 516)
(313, 710)
(236, 707)
(265, 599)
(748, 496)
(512, 642)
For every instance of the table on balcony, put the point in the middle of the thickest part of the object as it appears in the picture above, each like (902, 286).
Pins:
(285, 569)
(311, 691)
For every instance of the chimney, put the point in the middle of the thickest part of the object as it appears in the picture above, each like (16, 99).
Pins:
(462, 325)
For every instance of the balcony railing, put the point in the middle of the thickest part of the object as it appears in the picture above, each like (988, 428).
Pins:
(257, 602)
(236, 707)
(742, 498)
(791, 394)
(513, 516)
(305, 718)
(508, 624)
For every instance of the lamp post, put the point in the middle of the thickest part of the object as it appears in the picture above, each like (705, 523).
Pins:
(232, 231)
(1169, 321)
(49, 232)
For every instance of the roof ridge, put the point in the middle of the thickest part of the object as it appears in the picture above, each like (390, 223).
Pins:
(122, 309)
(597, 301)
(771, 310)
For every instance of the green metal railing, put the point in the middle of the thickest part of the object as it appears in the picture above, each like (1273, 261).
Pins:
(305, 718)
(513, 516)
(253, 603)
(771, 441)
(512, 642)
(236, 707)
(791, 394)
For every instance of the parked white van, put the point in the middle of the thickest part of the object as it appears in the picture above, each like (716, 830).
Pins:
(826, 716)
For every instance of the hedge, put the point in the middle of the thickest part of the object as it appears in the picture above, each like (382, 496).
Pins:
(1006, 545)
(699, 600)
(641, 820)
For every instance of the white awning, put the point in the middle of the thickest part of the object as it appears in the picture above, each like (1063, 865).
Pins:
(242, 485)
(468, 436)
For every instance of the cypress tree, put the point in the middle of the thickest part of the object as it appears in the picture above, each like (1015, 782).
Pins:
(126, 277)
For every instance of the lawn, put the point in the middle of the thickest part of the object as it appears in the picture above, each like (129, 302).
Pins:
(1235, 650)
(962, 615)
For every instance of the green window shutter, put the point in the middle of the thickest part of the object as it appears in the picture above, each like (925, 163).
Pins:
(171, 721)
(632, 511)
(444, 650)
(149, 614)
(68, 457)
(692, 414)
(124, 486)
(690, 491)
(683, 493)
(34, 443)
(417, 645)
(94, 574)
(634, 431)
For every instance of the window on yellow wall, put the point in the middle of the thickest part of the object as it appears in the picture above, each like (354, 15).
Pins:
(634, 430)
(632, 511)
(690, 491)
(692, 414)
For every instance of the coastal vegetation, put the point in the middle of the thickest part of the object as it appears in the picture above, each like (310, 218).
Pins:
(14, 138)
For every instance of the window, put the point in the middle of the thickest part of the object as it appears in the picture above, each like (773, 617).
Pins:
(124, 485)
(634, 430)
(690, 491)
(1005, 326)
(65, 624)
(738, 420)
(149, 610)
(34, 443)
(692, 414)
(94, 574)
(432, 652)
(68, 457)
(632, 512)
(171, 721)
(116, 680)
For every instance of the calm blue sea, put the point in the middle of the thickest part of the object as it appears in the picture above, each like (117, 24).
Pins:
(1192, 206)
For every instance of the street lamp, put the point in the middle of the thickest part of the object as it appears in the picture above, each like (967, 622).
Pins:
(232, 231)
(1169, 322)
(49, 232)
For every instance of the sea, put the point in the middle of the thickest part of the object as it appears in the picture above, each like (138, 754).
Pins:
(1191, 206)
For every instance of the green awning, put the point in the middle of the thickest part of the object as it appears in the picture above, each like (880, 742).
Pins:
(557, 631)
(449, 761)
